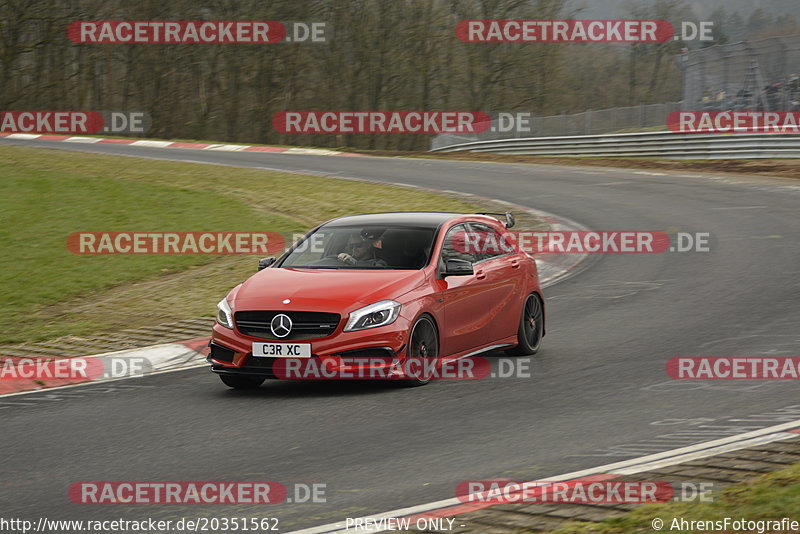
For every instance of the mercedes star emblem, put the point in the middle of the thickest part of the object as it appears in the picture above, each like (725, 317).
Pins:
(281, 325)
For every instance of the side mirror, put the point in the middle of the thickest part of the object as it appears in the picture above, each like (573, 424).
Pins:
(263, 263)
(455, 267)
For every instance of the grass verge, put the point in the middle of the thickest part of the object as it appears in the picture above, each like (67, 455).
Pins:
(766, 497)
(49, 292)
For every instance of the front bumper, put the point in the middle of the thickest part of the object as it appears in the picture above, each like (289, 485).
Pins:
(231, 351)
(360, 364)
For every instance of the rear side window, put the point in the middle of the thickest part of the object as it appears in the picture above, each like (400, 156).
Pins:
(488, 242)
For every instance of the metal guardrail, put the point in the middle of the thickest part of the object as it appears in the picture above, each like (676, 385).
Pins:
(644, 144)
(590, 122)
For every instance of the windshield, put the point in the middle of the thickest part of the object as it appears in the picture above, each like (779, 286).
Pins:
(362, 247)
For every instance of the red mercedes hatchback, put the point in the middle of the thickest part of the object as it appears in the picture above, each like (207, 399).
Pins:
(380, 289)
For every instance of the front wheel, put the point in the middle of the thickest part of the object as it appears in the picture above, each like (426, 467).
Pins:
(241, 382)
(531, 328)
(423, 346)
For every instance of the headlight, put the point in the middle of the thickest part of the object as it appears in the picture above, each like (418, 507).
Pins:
(224, 313)
(378, 314)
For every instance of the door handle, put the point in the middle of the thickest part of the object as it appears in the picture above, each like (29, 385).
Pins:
(515, 264)
(480, 275)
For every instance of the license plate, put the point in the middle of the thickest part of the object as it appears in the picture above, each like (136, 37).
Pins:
(282, 350)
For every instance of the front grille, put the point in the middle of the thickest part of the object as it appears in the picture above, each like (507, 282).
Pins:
(305, 325)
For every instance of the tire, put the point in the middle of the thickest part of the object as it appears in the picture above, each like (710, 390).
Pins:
(423, 342)
(531, 328)
(241, 382)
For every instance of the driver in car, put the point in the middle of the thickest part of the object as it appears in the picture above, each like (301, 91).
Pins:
(360, 253)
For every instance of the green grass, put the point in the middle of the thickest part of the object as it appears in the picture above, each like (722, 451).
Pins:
(49, 292)
(766, 497)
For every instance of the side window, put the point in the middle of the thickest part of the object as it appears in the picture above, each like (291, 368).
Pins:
(488, 242)
(456, 245)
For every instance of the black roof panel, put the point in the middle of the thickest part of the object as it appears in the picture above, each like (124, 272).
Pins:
(426, 219)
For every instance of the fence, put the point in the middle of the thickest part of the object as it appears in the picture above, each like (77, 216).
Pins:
(761, 75)
(757, 75)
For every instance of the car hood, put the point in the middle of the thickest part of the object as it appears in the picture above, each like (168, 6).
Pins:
(328, 290)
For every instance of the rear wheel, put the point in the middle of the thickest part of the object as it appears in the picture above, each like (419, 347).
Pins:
(423, 346)
(241, 382)
(531, 328)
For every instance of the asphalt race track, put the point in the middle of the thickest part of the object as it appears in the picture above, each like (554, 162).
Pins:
(599, 392)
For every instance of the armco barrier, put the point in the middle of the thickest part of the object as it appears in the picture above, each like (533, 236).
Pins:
(644, 144)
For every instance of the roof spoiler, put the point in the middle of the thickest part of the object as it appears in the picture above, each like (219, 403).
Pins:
(510, 219)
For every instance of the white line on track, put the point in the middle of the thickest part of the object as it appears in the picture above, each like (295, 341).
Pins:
(739, 208)
(164, 358)
(627, 467)
(96, 382)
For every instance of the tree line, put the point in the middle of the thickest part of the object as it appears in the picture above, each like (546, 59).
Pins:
(381, 55)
